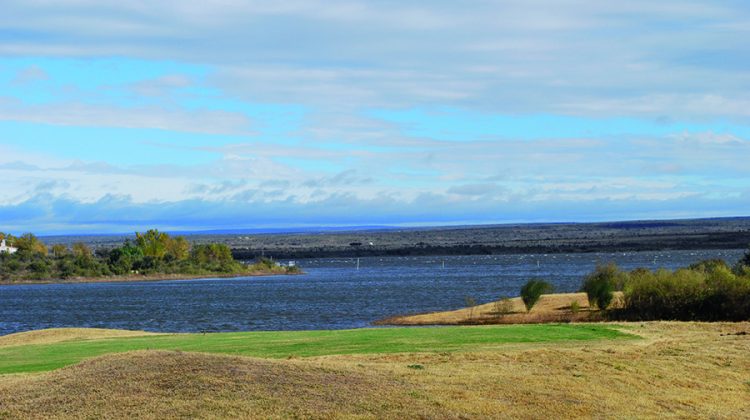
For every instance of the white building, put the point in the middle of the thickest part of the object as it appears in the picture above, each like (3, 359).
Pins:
(6, 248)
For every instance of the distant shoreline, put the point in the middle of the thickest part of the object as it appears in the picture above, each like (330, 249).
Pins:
(445, 251)
(674, 235)
(141, 278)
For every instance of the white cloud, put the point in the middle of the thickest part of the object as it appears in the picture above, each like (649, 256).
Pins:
(205, 121)
(30, 75)
(508, 56)
(339, 59)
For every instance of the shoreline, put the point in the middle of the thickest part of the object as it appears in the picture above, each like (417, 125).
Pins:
(141, 278)
(472, 250)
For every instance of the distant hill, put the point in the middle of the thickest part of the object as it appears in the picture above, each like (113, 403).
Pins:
(715, 233)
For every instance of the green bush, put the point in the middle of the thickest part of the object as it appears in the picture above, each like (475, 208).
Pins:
(503, 306)
(728, 296)
(744, 263)
(709, 266)
(575, 307)
(533, 290)
(699, 294)
(601, 284)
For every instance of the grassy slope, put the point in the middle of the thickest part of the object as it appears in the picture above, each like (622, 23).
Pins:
(550, 308)
(44, 357)
(164, 385)
(682, 370)
(58, 335)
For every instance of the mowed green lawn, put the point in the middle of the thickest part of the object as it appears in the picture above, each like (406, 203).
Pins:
(280, 344)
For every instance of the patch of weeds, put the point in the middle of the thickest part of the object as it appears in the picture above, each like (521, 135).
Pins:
(575, 307)
(416, 395)
(723, 363)
(416, 367)
(578, 375)
(471, 303)
(503, 307)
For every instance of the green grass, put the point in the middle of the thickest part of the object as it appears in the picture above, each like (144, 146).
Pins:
(45, 357)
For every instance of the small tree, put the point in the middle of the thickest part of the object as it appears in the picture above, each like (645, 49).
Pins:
(471, 303)
(503, 306)
(153, 243)
(178, 248)
(601, 284)
(29, 243)
(82, 251)
(743, 265)
(533, 290)
(59, 250)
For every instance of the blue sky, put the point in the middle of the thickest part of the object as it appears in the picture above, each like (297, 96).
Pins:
(117, 116)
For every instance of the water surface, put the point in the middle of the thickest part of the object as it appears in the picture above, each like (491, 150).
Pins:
(332, 294)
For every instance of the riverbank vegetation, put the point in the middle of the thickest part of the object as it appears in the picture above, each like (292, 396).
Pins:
(709, 290)
(151, 255)
(705, 291)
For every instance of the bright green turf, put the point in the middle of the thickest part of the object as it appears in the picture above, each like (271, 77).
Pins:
(45, 357)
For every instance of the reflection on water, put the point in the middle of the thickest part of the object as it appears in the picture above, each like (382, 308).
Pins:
(332, 295)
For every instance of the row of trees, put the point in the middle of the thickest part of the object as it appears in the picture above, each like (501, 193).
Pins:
(150, 253)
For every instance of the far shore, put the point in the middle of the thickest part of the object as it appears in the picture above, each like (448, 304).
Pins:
(141, 278)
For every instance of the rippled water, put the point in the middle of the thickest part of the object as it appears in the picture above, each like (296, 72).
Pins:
(332, 294)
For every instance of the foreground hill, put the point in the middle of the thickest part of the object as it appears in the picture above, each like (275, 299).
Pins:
(694, 370)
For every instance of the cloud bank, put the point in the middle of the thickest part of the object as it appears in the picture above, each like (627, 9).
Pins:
(116, 115)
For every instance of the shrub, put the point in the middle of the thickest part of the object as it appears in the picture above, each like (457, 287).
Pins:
(533, 290)
(686, 294)
(745, 260)
(601, 284)
(709, 266)
(504, 306)
(665, 294)
(471, 303)
(575, 307)
(727, 297)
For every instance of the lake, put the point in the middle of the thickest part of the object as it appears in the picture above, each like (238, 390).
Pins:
(333, 294)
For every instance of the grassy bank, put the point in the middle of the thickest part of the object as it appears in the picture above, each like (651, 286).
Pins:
(684, 370)
(18, 356)
(558, 307)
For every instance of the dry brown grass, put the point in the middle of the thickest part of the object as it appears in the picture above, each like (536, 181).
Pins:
(160, 384)
(684, 370)
(550, 308)
(64, 334)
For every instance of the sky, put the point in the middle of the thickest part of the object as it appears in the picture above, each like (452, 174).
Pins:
(203, 115)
